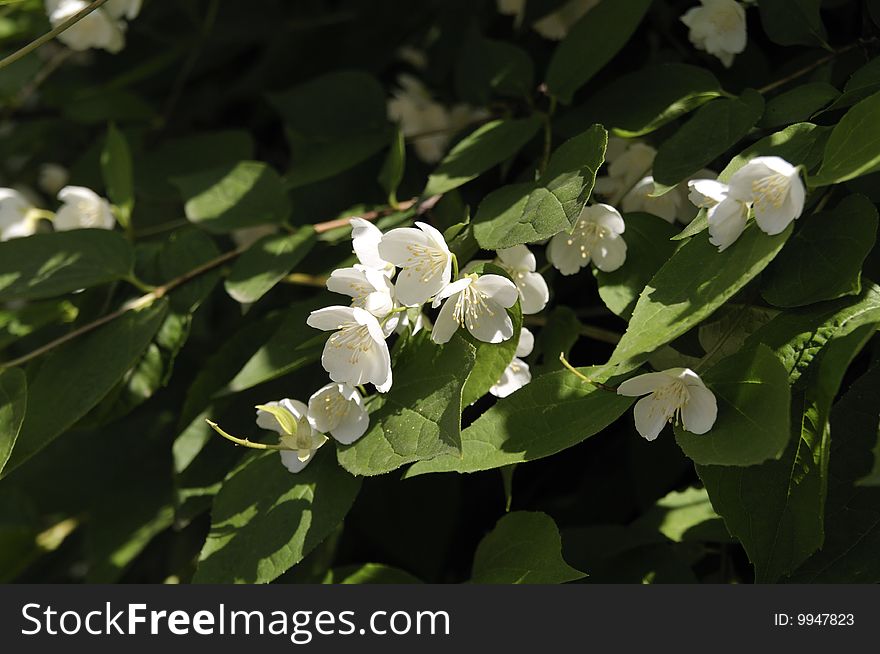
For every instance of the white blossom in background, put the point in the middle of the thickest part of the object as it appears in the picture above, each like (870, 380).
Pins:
(82, 208)
(554, 26)
(677, 395)
(424, 259)
(727, 216)
(667, 206)
(520, 262)
(517, 374)
(365, 237)
(478, 303)
(774, 189)
(356, 352)
(717, 27)
(99, 29)
(52, 178)
(418, 114)
(596, 237)
(338, 410)
(627, 162)
(368, 289)
(17, 216)
(303, 444)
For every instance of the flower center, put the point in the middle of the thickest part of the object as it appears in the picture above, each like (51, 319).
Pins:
(426, 261)
(771, 190)
(586, 235)
(670, 400)
(470, 307)
(89, 213)
(353, 337)
(335, 405)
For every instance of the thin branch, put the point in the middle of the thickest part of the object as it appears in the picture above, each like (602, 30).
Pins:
(31, 87)
(423, 206)
(577, 373)
(809, 68)
(48, 36)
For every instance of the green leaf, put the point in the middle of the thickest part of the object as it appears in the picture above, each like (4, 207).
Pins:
(754, 403)
(118, 176)
(677, 299)
(685, 516)
(293, 346)
(552, 413)
(823, 260)
(777, 509)
(266, 263)
(665, 92)
(523, 548)
(491, 358)
(369, 573)
(98, 360)
(853, 149)
(798, 104)
(726, 333)
(395, 163)
(46, 265)
(558, 336)
(714, 128)
(333, 123)
(852, 513)
(13, 402)
(591, 44)
(485, 147)
(648, 247)
(800, 144)
(233, 196)
(265, 519)
(19, 322)
(793, 22)
(529, 212)
(420, 417)
(485, 66)
(864, 82)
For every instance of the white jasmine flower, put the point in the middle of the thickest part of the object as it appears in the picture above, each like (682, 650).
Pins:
(727, 216)
(338, 409)
(368, 289)
(99, 29)
(774, 188)
(717, 27)
(510, 7)
(674, 395)
(628, 162)
(17, 216)
(640, 198)
(82, 208)
(478, 303)
(365, 237)
(52, 178)
(517, 374)
(520, 263)
(424, 259)
(356, 353)
(303, 441)
(596, 237)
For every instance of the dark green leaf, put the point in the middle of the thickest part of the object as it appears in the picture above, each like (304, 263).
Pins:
(524, 548)
(485, 147)
(793, 22)
(233, 196)
(265, 519)
(798, 104)
(591, 44)
(853, 149)
(554, 412)
(529, 212)
(46, 265)
(266, 262)
(13, 402)
(118, 176)
(420, 417)
(394, 166)
(486, 66)
(823, 260)
(369, 573)
(754, 403)
(714, 128)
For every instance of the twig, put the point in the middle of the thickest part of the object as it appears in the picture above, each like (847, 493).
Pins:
(423, 206)
(577, 373)
(809, 68)
(137, 303)
(31, 87)
(48, 36)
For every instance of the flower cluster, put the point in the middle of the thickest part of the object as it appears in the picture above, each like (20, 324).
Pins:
(103, 29)
(81, 208)
(769, 187)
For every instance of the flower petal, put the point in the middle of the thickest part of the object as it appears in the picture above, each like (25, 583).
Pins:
(649, 418)
(500, 289)
(643, 384)
(519, 258)
(610, 253)
(533, 292)
(699, 414)
(330, 318)
(493, 327)
(445, 325)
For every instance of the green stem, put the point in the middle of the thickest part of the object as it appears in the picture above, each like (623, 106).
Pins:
(582, 376)
(454, 267)
(245, 442)
(48, 36)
